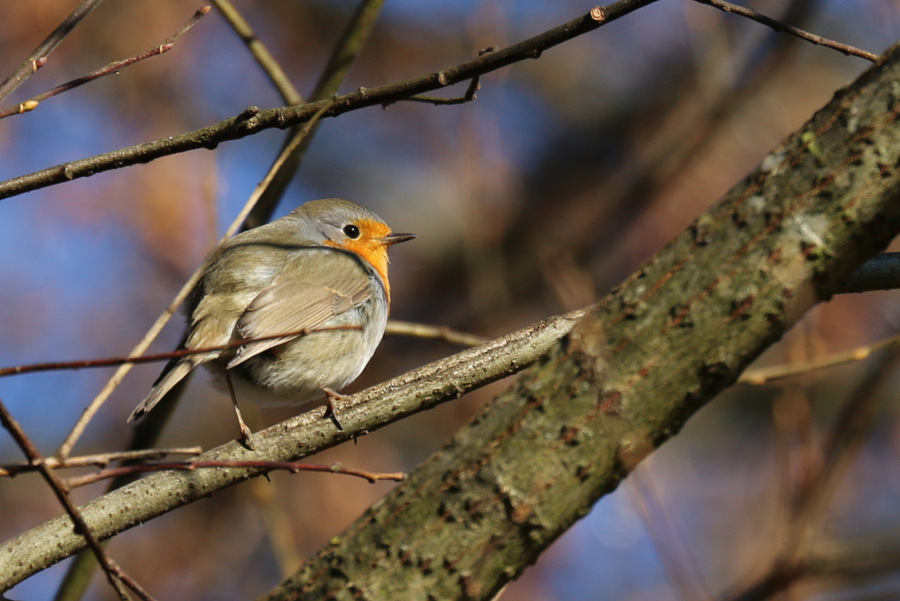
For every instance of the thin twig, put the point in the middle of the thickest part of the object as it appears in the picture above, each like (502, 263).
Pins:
(785, 28)
(38, 57)
(764, 375)
(253, 121)
(421, 330)
(114, 573)
(109, 69)
(139, 359)
(790, 561)
(259, 51)
(98, 460)
(290, 466)
(398, 328)
(469, 96)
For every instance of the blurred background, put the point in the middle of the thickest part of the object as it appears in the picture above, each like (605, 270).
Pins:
(557, 182)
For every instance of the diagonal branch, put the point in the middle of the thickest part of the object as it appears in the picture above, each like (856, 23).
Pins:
(106, 70)
(749, 13)
(353, 37)
(39, 56)
(260, 52)
(117, 578)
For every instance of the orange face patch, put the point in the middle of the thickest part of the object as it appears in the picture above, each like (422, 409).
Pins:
(370, 247)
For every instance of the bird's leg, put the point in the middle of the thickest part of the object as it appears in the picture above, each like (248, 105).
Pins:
(331, 411)
(245, 430)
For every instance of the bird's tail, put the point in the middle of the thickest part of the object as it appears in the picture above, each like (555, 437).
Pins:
(164, 384)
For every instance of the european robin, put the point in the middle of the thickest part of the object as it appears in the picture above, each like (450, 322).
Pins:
(319, 277)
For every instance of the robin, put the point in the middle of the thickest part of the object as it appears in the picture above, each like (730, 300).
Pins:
(303, 301)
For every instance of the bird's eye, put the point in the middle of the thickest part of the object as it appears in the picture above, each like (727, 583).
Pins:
(351, 231)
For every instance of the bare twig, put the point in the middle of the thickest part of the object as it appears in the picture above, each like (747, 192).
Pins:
(38, 57)
(260, 52)
(290, 466)
(421, 330)
(469, 96)
(795, 31)
(398, 328)
(114, 573)
(138, 359)
(98, 460)
(764, 375)
(253, 121)
(791, 562)
(109, 69)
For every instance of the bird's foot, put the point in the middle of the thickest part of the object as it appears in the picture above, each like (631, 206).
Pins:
(331, 410)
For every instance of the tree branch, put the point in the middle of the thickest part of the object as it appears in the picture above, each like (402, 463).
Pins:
(114, 574)
(106, 70)
(780, 27)
(39, 56)
(252, 120)
(292, 440)
(259, 51)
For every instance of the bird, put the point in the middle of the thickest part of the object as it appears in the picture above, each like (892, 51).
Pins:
(289, 311)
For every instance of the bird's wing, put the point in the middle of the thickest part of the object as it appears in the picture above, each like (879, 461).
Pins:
(314, 286)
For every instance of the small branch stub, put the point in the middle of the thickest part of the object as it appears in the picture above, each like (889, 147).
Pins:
(598, 14)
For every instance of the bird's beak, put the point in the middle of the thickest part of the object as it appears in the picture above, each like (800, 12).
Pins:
(392, 239)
